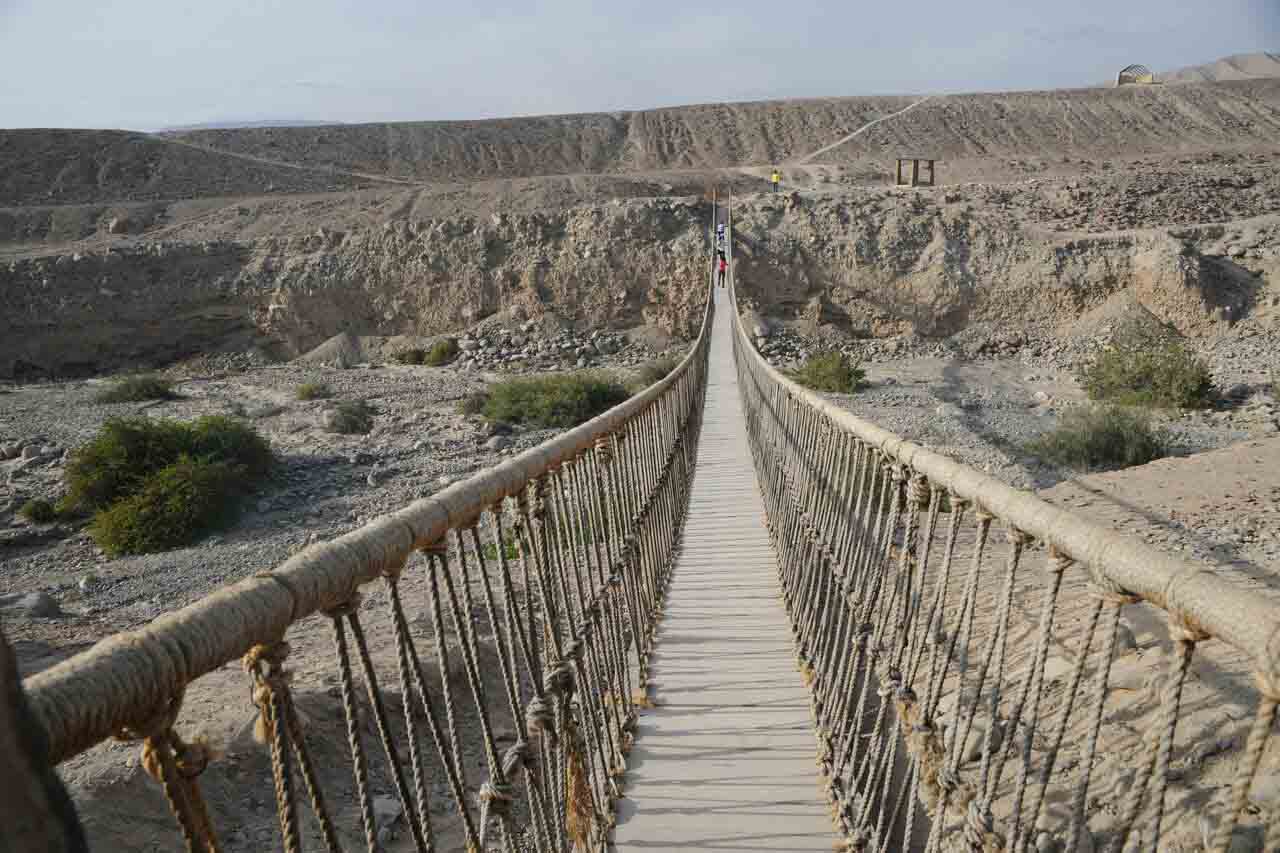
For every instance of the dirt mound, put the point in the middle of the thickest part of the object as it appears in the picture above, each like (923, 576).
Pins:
(1241, 66)
(82, 166)
(342, 350)
(726, 135)
(1121, 313)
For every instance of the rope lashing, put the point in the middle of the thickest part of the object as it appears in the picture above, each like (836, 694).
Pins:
(176, 765)
(271, 685)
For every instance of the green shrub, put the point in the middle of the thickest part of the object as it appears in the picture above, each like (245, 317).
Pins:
(221, 439)
(443, 352)
(313, 391)
(555, 401)
(176, 506)
(157, 484)
(833, 372)
(1145, 370)
(351, 417)
(38, 512)
(1101, 438)
(136, 389)
(126, 452)
(473, 403)
(653, 371)
(410, 356)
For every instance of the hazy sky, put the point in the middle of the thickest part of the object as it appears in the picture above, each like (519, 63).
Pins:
(150, 63)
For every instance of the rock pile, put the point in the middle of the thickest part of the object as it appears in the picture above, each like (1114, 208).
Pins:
(498, 347)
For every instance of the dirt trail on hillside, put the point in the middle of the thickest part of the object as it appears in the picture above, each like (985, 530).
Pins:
(806, 158)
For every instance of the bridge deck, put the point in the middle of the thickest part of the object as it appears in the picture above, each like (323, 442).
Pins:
(726, 760)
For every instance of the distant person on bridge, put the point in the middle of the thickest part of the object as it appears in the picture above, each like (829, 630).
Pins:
(776, 178)
(722, 267)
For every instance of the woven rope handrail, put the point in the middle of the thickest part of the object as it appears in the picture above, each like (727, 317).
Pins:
(938, 720)
(1208, 600)
(94, 695)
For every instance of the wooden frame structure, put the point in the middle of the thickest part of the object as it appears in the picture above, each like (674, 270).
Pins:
(915, 181)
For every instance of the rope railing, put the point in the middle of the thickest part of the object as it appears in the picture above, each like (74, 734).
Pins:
(925, 639)
(548, 570)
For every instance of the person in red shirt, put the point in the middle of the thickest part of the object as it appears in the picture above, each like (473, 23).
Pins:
(722, 268)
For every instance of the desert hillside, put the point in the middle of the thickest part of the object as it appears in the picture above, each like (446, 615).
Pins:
(1079, 121)
(77, 166)
(1240, 66)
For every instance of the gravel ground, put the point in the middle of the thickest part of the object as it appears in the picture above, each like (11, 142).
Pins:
(326, 484)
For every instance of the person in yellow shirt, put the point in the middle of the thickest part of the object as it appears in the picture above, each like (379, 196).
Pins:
(776, 178)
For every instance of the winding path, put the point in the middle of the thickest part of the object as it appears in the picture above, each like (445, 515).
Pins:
(806, 158)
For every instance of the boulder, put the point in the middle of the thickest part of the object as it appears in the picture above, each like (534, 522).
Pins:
(35, 605)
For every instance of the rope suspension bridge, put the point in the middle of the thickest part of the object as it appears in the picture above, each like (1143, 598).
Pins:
(725, 615)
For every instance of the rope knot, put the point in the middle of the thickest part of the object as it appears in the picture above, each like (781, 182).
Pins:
(1014, 536)
(1185, 629)
(978, 825)
(495, 799)
(270, 658)
(346, 608)
(440, 546)
(541, 722)
(1111, 592)
(516, 758)
(918, 490)
(266, 664)
(558, 680)
(395, 568)
(192, 758)
(159, 723)
(1058, 561)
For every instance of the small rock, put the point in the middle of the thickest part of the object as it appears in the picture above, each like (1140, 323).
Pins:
(372, 479)
(1265, 790)
(31, 451)
(360, 457)
(386, 810)
(1129, 674)
(36, 605)
(498, 442)
(1126, 642)
(949, 410)
(88, 582)
(1056, 667)
(1245, 839)
(10, 451)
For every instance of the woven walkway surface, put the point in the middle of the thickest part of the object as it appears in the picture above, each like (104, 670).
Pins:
(726, 760)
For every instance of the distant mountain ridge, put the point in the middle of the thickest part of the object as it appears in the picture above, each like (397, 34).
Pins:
(234, 124)
(1239, 66)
